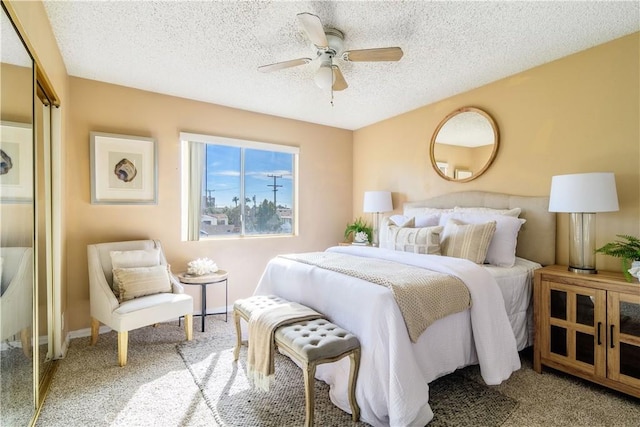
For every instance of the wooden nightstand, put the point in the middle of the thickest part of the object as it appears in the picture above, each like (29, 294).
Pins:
(588, 326)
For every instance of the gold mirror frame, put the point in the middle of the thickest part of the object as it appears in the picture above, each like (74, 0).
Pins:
(460, 172)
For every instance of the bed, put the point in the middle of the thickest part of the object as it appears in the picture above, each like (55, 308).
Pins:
(395, 371)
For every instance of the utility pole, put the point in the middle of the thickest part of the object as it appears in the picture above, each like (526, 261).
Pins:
(209, 199)
(275, 187)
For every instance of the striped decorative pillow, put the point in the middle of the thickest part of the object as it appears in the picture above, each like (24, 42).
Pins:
(469, 241)
(140, 281)
(424, 240)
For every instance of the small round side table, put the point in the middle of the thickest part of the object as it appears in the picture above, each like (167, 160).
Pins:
(204, 281)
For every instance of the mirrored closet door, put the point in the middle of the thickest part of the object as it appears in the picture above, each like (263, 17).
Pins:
(17, 230)
(27, 290)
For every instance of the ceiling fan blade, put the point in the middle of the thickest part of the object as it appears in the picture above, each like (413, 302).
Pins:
(372, 55)
(285, 64)
(340, 83)
(313, 27)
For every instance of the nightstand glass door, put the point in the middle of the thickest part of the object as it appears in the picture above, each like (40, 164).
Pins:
(576, 324)
(624, 338)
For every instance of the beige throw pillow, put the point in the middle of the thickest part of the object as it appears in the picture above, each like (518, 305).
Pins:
(140, 281)
(425, 240)
(469, 241)
(130, 259)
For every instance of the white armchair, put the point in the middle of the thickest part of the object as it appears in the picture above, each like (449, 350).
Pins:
(16, 295)
(135, 313)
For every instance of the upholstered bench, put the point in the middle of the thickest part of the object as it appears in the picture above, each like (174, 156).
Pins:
(310, 343)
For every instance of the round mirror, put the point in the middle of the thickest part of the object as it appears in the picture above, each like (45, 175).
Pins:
(464, 144)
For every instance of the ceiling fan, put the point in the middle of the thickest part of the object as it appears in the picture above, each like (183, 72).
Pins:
(329, 44)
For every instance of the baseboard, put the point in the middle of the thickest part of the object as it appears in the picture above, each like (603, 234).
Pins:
(7, 345)
(86, 332)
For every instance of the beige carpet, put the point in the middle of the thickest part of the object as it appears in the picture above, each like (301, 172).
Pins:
(457, 400)
(157, 388)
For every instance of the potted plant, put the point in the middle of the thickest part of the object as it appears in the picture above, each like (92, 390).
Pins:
(629, 250)
(361, 231)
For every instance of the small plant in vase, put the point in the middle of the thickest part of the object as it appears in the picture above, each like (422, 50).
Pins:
(629, 250)
(360, 230)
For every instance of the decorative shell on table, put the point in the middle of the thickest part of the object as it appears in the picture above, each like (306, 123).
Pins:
(201, 266)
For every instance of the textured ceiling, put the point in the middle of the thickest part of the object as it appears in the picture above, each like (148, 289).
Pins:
(210, 50)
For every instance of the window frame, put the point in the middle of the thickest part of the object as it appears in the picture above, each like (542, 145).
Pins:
(187, 137)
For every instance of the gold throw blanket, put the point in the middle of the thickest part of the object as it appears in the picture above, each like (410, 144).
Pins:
(261, 348)
(422, 295)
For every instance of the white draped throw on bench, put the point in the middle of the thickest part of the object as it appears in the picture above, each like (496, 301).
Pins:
(262, 327)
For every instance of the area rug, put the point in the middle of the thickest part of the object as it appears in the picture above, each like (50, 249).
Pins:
(456, 399)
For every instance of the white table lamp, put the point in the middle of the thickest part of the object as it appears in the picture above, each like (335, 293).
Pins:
(582, 195)
(377, 202)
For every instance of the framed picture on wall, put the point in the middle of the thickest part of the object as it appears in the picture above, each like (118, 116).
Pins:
(443, 166)
(462, 174)
(16, 162)
(123, 169)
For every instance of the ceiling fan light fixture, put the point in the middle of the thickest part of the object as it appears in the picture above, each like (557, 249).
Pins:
(324, 77)
(329, 44)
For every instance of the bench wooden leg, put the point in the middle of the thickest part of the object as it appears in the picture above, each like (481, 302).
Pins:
(353, 378)
(236, 351)
(309, 391)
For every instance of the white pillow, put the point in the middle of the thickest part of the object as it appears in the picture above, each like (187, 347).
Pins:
(141, 281)
(468, 241)
(427, 220)
(425, 240)
(515, 212)
(132, 259)
(415, 212)
(402, 221)
(137, 258)
(502, 250)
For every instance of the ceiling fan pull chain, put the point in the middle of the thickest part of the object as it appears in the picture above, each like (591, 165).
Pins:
(333, 78)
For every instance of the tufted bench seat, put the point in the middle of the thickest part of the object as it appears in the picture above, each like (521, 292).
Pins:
(310, 343)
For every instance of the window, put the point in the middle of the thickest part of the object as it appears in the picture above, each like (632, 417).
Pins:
(236, 188)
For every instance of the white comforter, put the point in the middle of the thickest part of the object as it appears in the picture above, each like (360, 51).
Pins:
(392, 387)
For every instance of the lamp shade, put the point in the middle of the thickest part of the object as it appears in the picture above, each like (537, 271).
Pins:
(324, 77)
(377, 201)
(584, 193)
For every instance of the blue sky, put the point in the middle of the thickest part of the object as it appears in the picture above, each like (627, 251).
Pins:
(223, 175)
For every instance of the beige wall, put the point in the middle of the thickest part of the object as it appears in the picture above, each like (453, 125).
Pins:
(577, 114)
(325, 185)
